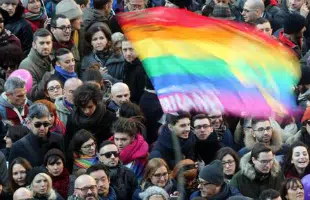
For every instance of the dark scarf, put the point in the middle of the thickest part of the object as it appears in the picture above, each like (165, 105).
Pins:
(61, 183)
(111, 196)
(261, 176)
(64, 75)
(4, 37)
(305, 136)
(67, 45)
(103, 56)
(79, 118)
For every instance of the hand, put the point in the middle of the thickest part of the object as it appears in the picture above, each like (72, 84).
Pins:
(47, 22)
(103, 70)
(304, 11)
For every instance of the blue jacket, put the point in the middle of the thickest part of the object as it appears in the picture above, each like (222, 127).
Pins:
(226, 192)
(112, 195)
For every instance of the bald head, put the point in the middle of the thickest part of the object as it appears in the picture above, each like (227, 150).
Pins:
(86, 188)
(120, 93)
(22, 193)
(252, 10)
(70, 86)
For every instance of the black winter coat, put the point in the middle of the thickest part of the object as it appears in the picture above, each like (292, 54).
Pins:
(21, 28)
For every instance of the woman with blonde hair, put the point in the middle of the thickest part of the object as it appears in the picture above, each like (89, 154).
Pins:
(41, 185)
(156, 173)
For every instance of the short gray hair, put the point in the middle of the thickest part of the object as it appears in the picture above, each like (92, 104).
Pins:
(38, 110)
(13, 83)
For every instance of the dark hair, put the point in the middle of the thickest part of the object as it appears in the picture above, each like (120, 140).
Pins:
(222, 152)
(92, 75)
(42, 32)
(85, 93)
(200, 116)
(261, 20)
(259, 148)
(82, 2)
(174, 118)
(23, 162)
(55, 18)
(97, 167)
(53, 78)
(100, 4)
(51, 160)
(11, 56)
(269, 194)
(105, 143)
(288, 165)
(89, 35)
(61, 52)
(129, 109)
(255, 121)
(17, 132)
(287, 184)
(130, 126)
(79, 139)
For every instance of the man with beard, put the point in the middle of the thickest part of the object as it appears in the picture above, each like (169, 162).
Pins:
(85, 188)
(222, 131)
(123, 180)
(262, 132)
(206, 140)
(38, 62)
(39, 140)
(259, 171)
(175, 136)
(292, 33)
(100, 173)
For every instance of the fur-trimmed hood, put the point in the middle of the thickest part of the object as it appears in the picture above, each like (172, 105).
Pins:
(248, 170)
(275, 142)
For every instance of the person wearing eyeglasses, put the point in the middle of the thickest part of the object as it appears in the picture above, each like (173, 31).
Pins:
(85, 188)
(207, 143)
(297, 161)
(211, 184)
(265, 131)
(230, 161)
(53, 89)
(39, 139)
(100, 173)
(156, 173)
(259, 170)
(122, 179)
(63, 182)
(252, 10)
(61, 29)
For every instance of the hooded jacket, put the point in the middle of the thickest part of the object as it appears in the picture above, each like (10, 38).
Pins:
(20, 27)
(165, 149)
(39, 68)
(250, 183)
(93, 17)
(9, 114)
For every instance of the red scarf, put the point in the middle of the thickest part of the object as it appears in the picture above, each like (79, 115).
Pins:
(138, 149)
(58, 127)
(61, 183)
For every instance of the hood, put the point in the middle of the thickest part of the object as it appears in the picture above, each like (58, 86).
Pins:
(276, 138)
(4, 102)
(248, 170)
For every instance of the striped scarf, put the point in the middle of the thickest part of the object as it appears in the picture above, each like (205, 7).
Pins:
(84, 162)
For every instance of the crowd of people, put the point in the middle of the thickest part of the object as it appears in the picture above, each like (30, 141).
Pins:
(91, 127)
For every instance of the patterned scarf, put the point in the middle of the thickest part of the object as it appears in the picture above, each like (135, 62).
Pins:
(36, 16)
(84, 162)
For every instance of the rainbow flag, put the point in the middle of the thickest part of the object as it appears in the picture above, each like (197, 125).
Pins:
(210, 65)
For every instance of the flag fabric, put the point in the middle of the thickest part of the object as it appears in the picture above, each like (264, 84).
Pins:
(211, 65)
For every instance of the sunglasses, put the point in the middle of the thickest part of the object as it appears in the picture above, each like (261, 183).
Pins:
(109, 154)
(39, 124)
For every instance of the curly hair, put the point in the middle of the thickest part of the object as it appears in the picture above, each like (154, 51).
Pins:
(130, 126)
(85, 93)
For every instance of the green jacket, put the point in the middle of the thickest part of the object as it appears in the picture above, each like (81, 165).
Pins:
(249, 184)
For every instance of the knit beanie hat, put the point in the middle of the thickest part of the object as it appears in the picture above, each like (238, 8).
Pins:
(223, 12)
(213, 173)
(306, 116)
(154, 190)
(33, 172)
(54, 152)
(69, 8)
(293, 23)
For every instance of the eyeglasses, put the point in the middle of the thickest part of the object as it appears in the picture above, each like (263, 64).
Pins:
(229, 162)
(265, 162)
(53, 88)
(86, 188)
(39, 124)
(109, 154)
(1, 20)
(262, 129)
(89, 146)
(204, 126)
(161, 175)
(64, 28)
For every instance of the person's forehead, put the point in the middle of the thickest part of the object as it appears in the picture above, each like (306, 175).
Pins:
(19, 90)
(72, 86)
(265, 155)
(66, 56)
(44, 39)
(98, 174)
(264, 25)
(262, 124)
(121, 135)
(53, 83)
(86, 181)
(43, 119)
(183, 121)
(62, 21)
(108, 148)
(126, 44)
(202, 121)
(248, 5)
(120, 90)
(137, 2)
